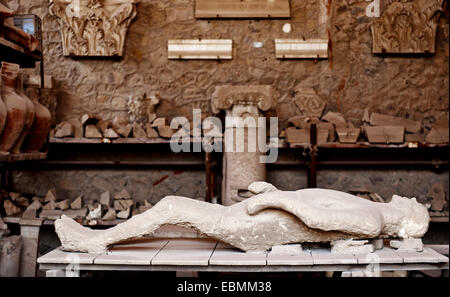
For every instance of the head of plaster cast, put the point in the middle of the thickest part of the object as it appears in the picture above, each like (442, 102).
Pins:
(270, 218)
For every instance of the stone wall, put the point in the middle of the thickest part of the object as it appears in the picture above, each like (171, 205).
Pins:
(352, 80)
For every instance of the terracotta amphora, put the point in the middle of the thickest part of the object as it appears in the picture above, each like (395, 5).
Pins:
(16, 108)
(3, 112)
(37, 135)
(29, 119)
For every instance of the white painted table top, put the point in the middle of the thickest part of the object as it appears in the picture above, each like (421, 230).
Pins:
(207, 252)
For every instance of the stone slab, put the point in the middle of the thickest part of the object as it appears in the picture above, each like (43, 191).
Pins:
(182, 252)
(385, 256)
(58, 256)
(303, 258)
(234, 257)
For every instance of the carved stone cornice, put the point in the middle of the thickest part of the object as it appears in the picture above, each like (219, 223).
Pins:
(225, 97)
(94, 28)
(407, 26)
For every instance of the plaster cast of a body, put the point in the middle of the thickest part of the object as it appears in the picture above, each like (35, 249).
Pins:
(265, 220)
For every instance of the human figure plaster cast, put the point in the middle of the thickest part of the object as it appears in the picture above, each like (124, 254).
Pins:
(270, 218)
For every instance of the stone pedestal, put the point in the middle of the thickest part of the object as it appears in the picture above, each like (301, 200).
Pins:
(29, 230)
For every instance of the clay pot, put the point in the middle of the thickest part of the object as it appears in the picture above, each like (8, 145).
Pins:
(3, 111)
(16, 108)
(37, 135)
(29, 118)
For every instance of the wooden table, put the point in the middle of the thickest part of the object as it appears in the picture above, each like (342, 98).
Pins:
(206, 255)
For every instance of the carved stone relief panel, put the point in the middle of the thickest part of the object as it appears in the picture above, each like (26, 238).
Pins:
(309, 102)
(242, 9)
(94, 28)
(407, 26)
(220, 49)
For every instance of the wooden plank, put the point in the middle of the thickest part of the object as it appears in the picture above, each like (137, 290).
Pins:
(235, 257)
(383, 256)
(182, 252)
(242, 9)
(209, 49)
(301, 49)
(58, 256)
(304, 258)
(325, 257)
(138, 253)
(419, 257)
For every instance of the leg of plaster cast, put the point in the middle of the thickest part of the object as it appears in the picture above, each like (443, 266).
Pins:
(170, 210)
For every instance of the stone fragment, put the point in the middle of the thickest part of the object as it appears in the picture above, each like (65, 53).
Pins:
(437, 196)
(63, 205)
(378, 243)
(29, 214)
(10, 208)
(294, 135)
(88, 120)
(110, 215)
(411, 126)
(165, 132)
(110, 133)
(76, 213)
(122, 195)
(324, 126)
(138, 131)
(103, 125)
(119, 122)
(151, 132)
(50, 205)
(36, 205)
(385, 134)
(124, 131)
(408, 244)
(77, 203)
(348, 135)
(118, 206)
(96, 213)
(36, 198)
(64, 129)
(125, 214)
(336, 118)
(22, 202)
(366, 116)
(51, 195)
(159, 122)
(438, 136)
(352, 246)
(151, 117)
(14, 196)
(105, 199)
(124, 203)
(92, 132)
(288, 250)
(300, 122)
(51, 214)
(309, 102)
(78, 128)
(415, 137)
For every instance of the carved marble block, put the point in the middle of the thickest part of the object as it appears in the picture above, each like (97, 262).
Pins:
(301, 49)
(242, 163)
(309, 103)
(201, 49)
(94, 28)
(242, 9)
(407, 27)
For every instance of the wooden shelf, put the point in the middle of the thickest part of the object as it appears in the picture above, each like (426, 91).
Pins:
(13, 53)
(114, 141)
(367, 145)
(11, 158)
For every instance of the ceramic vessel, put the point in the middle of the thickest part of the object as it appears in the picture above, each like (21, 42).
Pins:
(37, 135)
(16, 108)
(29, 118)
